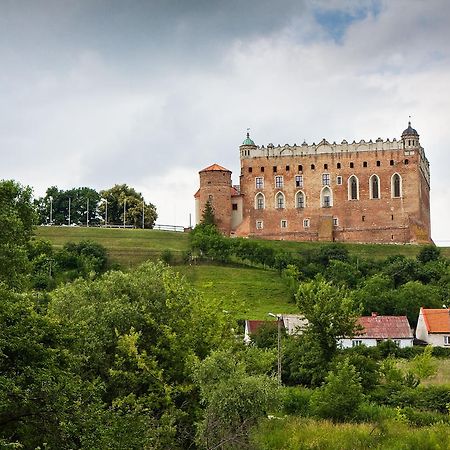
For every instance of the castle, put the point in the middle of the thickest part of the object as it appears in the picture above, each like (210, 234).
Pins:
(348, 192)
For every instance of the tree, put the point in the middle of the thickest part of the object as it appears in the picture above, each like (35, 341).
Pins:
(123, 197)
(330, 311)
(17, 221)
(428, 253)
(208, 217)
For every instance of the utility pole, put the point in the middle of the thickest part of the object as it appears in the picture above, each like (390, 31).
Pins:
(124, 211)
(69, 210)
(87, 213)
(143, 214)
(279, 319)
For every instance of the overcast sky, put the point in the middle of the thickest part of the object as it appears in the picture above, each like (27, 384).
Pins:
(99, 92)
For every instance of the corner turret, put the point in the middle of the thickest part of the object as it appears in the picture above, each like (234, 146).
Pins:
(247, 146)
(410, 137)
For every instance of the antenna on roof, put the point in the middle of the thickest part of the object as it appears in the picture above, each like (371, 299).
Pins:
(248, 132)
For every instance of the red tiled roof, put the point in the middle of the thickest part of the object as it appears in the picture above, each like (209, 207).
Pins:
(215, 167)
(197, 194)
(254, 325)
(234, 192)
(436, 320)
(385, 327)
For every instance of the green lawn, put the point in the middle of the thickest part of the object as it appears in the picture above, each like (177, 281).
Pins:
(247, 293)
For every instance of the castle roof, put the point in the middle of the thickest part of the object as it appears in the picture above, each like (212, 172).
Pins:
(436, 320)
(248, 141)
(410, 131)
(215, 167)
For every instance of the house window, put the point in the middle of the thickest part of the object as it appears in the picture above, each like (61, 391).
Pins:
(234, 206)
(279, 181)
(326, 199)
(274, 168)
(338, 165)
(284, 224)
(300, 200)
(279, 200)
(259, 201)
(446, 340)
(339, 180)
(259, 224)
(335, 221)
(356, 342)
(325, 179)
(299, 181)
(397, 342)
(306, 223)
(374, 187)
(250, 170)
(353, 188)
(396, 185)
(259, 182)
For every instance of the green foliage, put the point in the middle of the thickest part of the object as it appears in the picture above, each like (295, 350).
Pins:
(296, 400)
(428, 253)
(234, 400)
(208, 217)
(340, 396)
(266, 336)
(167, 257)
(425, 365)
(330, 311)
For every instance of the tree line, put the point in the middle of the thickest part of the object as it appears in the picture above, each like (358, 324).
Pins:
(119, 205)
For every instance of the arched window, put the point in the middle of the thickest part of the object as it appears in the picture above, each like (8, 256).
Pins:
(374, 186)
(396, 185)
(353, 188)
(259, 201)
(279, 200)
(326, 197)
(300, 199)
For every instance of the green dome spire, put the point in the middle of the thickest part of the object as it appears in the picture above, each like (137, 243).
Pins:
(248, 141)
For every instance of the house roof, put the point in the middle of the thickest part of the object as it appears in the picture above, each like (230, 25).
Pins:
(436, 320)
(215, 167)
(254, 325)
(385, 327)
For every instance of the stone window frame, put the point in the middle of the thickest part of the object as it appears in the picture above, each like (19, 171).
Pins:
(350, 189)
(302, 194)
(335, 221)
(394, 187)
(323, 197)
(259, 182)
(257, 196)
(339, 180)
(371, 196)
(280, 205)
(326, 179)
(306, 223)
(279, 182)
(298, 181)
(283, 223)
(259, 224)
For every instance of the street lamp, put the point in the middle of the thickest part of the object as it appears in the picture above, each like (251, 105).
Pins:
(279, 318)
(51, 210)
(106, 211)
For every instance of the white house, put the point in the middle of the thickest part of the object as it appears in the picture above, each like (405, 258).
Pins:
(433, 327)
(376, 329)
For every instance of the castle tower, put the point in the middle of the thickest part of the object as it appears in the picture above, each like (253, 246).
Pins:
(410, 138)
(215, 186)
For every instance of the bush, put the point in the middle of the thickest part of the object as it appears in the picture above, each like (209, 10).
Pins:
(296, 400)
(167, 257)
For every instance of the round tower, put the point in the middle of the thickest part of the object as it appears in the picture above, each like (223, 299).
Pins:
(410, 137)
(215, 187)
(247, 146)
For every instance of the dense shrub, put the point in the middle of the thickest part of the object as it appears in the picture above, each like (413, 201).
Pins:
(296, 400)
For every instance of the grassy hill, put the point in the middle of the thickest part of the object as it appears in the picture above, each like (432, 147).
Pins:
(245, 291)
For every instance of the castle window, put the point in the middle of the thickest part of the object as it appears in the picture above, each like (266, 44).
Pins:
(306, 223)
(391, 162)
(325, 179)
(313, 167)
(351, 165)
(259, 182)
(378, 163)
(279, 182)
(363, 218)
(287, 168)
(259, 224)
(274, 168)
(339, 180)
(338, 165)
(396, 185)
(325, 166)
(300, 200)
(279, 200)
(259, 201)
(284, 224)
(335, 221)
(300, 168)
(392, 216)
(234, 206)
(299, 181)
(409, 142)
(353, 188)
(262, 169)
(326, 197)
(406, 161)
(365, 164)
(210, 197)
(250, 170)
(374, 187)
